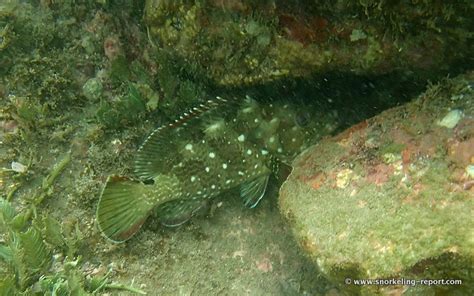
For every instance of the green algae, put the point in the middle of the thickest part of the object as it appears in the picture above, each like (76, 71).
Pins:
(28, 242)
(124, 110)
(278, 41)
(403, 217)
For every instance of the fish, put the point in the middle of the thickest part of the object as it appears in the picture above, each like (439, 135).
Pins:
(216, 146)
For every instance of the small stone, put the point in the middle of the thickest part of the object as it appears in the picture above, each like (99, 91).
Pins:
(451, 119)
(92, 89)
(18, 167)
(344, 177)
(470, 171)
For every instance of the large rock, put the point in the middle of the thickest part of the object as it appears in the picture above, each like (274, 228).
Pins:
(392, 197)
(250, 42)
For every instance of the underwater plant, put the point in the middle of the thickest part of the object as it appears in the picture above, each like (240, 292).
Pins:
(38, 257)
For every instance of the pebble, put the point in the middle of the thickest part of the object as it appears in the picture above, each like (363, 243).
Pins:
(470, 171)
(451, 119)
(18, 167)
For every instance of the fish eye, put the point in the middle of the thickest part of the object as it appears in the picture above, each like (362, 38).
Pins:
(302, 118)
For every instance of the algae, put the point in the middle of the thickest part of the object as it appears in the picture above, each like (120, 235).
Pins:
(404, 213)
(259, 42)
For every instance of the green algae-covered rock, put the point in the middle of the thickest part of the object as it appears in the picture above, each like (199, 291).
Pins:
(392, 197)
(249, 42)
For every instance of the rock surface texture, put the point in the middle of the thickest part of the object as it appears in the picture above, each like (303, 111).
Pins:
(392, 197)
(236, 43)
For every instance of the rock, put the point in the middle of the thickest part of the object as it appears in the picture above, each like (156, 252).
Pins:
(92, 89)
(451, 119)
(391, 197)
(237, 43)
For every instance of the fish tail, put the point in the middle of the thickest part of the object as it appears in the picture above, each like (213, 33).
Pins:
(123, 208)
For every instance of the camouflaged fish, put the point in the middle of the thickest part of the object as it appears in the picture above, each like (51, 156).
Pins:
(216, 146)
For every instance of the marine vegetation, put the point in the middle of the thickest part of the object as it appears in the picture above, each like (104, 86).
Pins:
(38, 255)
(248, 42)
(218, 145)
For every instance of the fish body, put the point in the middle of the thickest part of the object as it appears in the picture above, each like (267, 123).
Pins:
(215, 146)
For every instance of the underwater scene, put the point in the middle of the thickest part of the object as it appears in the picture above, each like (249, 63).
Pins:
(236, 147)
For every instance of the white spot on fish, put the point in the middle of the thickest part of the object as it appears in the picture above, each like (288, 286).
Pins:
(212, 155)
(224, 166)
(241, 138)
(249, 152)
(241, 173)
(255, 166)
(256, 120)
(189, 147)
(280, 150)
(293, 140)
(207, 169)
(193, 178)
(228, 181)
(264, 152)
(272, 139)
(199, 192)
(213, 186)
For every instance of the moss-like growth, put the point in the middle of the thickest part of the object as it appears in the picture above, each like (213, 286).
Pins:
(375, 205)
(252, 42)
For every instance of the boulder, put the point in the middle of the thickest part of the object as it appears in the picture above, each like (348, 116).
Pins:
(393, 196)
(235, 43)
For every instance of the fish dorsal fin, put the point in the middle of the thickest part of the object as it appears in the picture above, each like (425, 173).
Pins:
(122, 209)
(252, 191)
(159, 151)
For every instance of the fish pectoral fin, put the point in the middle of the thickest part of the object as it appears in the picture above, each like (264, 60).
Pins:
(253, 190)
(122, 208)
(177, 212)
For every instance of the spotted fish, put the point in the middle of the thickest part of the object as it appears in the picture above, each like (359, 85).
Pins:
(216, 146)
